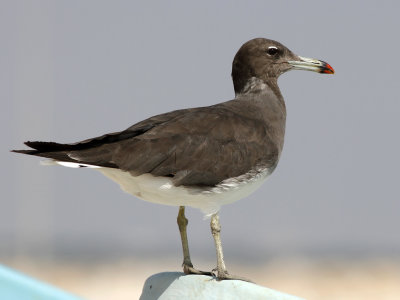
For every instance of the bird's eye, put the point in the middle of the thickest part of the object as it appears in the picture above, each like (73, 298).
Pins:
(272, 50)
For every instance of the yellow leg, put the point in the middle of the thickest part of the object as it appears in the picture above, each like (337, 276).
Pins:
(187, 263)
(222, 273)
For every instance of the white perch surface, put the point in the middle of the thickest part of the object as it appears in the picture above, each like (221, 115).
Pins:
(176, 285)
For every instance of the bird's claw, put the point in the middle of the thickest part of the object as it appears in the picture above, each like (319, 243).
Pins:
(224, 275)
(188, 269)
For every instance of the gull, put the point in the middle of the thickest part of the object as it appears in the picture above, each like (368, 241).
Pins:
(202, 157)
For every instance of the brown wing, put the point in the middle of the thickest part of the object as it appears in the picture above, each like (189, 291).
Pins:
(200, 146)
(62, 152)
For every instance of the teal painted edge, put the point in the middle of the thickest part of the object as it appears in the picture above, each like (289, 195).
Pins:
(15, 285)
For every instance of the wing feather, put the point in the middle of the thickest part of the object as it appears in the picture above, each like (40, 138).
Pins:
(198, 146)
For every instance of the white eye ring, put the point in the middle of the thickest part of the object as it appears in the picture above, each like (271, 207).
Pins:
(272, 50)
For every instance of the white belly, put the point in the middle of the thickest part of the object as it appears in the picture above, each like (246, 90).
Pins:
(158, 189)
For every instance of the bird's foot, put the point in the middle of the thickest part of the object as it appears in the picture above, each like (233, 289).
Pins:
(224, 275)
(188, 269)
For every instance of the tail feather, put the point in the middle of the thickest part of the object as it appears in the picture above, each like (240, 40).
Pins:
(24, 151)
(40, 147)
(48, 146)
(44, 152)
(61, 152)
(57, 152)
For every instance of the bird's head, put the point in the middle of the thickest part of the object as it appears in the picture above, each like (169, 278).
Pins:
(267, 59)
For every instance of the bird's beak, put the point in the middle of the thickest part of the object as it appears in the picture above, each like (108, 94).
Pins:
(311, 64)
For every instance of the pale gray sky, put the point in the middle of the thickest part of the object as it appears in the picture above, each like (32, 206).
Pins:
(71, 70)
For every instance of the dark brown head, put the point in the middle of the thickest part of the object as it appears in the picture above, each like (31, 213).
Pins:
(267, 59)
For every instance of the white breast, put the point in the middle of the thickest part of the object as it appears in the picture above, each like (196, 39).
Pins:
(158, 189)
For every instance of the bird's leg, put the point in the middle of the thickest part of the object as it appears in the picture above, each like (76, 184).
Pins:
(187, 263)
(216, 230)
(222, 273)
(182, 224)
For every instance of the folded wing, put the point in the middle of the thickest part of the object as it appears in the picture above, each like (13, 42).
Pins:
(200, 146)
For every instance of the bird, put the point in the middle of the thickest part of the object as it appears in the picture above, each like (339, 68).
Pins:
(203, 157)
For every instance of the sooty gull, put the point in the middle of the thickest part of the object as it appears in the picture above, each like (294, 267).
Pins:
(201, 157)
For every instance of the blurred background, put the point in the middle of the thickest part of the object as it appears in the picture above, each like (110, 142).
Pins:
(324, 226)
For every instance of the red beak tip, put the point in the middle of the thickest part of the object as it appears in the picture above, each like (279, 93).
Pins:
(329, 69)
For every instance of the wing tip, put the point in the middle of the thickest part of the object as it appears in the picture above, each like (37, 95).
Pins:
(23, 151)
(30, 144)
